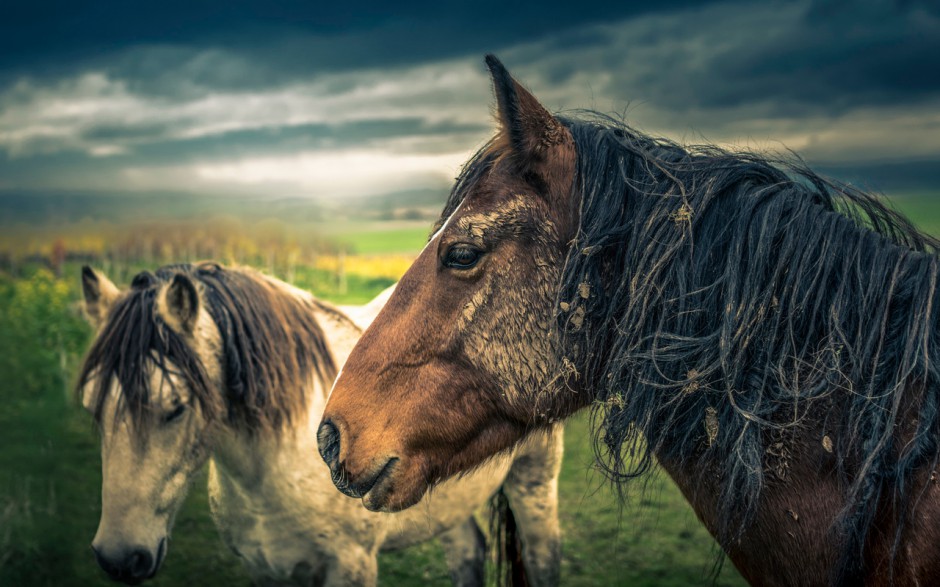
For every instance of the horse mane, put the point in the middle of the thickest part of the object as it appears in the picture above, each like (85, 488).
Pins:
(735, 299)
(271, 346)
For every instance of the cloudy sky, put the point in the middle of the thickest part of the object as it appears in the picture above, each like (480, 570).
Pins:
(305, 98)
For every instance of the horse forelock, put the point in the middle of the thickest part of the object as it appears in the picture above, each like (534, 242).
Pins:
(728, 292)
(132, 342)
(271, 347)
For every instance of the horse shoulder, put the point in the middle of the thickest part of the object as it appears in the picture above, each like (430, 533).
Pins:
(788, 542)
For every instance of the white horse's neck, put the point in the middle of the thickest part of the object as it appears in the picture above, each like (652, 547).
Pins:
(246, 458)
(251, 461)
(265, 490)
(274, 502)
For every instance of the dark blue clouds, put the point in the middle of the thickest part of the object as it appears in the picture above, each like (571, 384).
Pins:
(291, 37)
(794, 58)
(241, 95)
(839, 55)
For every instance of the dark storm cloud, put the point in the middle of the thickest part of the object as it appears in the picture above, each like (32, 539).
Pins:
(114, 131)
(837, 56)
(291, 38)
(306, 138)
(794, 58)
(828, 55)
(157, 145)
(893, 177)
(120, 94)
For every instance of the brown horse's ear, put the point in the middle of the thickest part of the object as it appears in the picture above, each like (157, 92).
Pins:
(100, 294)
(539, 143)
(178, 304)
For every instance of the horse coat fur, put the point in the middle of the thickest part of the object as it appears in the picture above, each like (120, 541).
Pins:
(770, 337)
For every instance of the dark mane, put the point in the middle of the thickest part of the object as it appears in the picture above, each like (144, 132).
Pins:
(736, 299)
(271, 346)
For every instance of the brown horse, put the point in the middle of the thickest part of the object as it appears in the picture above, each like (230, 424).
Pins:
(770, 337)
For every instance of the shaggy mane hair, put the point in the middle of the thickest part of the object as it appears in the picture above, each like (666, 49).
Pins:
(271, 345)
(737, 301)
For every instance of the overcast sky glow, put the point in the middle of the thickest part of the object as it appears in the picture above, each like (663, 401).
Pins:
(330, 104)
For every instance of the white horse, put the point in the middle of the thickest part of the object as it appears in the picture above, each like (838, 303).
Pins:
(202, 362)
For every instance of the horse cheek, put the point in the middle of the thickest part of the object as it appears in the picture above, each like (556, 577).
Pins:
(514, 347)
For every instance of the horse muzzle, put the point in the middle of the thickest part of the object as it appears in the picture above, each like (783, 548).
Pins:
(372, 485)
(131, 565)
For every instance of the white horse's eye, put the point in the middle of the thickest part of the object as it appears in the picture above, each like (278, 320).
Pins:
(175, 414)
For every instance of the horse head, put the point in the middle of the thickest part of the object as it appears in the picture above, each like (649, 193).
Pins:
(148, 380)
(461, 363)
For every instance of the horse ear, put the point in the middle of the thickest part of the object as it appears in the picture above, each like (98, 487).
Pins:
(539, 143)
(179, 304)
(100, 294)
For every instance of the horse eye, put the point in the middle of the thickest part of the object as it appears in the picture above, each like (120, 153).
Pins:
(175, 414)
(462, 257)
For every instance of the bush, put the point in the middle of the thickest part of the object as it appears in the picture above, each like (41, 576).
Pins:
(41, 336)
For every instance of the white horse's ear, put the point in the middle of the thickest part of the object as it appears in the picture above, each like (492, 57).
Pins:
(179, 304)
(100, 295)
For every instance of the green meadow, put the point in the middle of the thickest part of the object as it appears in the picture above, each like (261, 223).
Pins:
(376, 238)
(50, 464)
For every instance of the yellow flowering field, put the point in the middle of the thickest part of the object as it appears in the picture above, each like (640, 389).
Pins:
(392, 266)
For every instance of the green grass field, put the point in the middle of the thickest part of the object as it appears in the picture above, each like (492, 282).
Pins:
(49, 504)
(922, 209)
(50, 466)
(397, 240)
(371, 238)
(50, 479)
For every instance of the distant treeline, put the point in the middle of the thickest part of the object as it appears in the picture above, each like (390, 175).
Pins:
(41, 208)
(124, 232)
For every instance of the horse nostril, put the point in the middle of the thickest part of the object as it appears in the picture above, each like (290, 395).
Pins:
(139, 564)
(328, 442)
(128, 566)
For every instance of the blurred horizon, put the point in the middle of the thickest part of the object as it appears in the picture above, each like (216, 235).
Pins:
(341, 103)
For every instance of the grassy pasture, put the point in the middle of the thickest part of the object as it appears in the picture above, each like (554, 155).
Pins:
(379, 239)
(50, 477)
(50, 466)
(923, 209)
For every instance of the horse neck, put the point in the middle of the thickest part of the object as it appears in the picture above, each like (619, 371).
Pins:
(266, 493)
(247, 459)
(250, 460)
